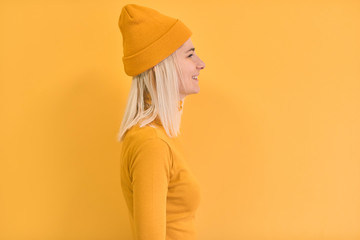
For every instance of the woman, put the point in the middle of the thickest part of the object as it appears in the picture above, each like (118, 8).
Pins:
(160, 191)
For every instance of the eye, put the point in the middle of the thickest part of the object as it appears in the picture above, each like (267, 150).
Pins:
(190, 55)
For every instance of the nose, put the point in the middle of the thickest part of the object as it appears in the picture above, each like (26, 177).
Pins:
(201, 64)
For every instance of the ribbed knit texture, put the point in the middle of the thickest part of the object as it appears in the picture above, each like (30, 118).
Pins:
(160, 191)
(148, 37)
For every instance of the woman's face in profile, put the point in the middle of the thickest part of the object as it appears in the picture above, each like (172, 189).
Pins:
(190, 65)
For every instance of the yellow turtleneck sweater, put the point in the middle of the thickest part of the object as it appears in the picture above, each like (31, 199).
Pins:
(160, 191)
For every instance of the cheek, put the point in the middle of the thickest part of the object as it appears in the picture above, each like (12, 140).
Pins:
(188, 70)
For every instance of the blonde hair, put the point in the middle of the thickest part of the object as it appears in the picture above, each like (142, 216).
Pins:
(154, 94)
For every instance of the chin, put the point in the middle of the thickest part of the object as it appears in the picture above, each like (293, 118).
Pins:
(192, 91)
(195, 92)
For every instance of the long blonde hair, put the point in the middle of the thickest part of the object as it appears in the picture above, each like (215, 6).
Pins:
(154, 95)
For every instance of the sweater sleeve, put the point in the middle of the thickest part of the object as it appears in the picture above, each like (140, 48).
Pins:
(150, 176)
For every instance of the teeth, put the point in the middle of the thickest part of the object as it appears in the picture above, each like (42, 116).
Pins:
(195, 77)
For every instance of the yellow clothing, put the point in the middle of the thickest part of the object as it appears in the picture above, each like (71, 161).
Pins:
(160, 191)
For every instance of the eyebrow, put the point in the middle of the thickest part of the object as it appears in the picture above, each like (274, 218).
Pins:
(191, 49)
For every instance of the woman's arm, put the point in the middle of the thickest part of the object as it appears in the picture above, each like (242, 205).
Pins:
(150, 175)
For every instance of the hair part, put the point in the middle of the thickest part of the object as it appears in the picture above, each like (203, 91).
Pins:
(154, 94)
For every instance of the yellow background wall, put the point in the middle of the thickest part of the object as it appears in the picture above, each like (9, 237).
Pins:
(273, 136)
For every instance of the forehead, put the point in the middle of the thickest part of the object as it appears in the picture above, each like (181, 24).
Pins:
(187, 45)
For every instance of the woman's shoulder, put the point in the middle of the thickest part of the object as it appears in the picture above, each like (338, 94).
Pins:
(149, 139)
(137, 134)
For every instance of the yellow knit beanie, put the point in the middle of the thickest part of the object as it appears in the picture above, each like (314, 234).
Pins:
(148, 37)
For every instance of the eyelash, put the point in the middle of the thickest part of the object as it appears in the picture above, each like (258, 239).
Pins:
(190, 55)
